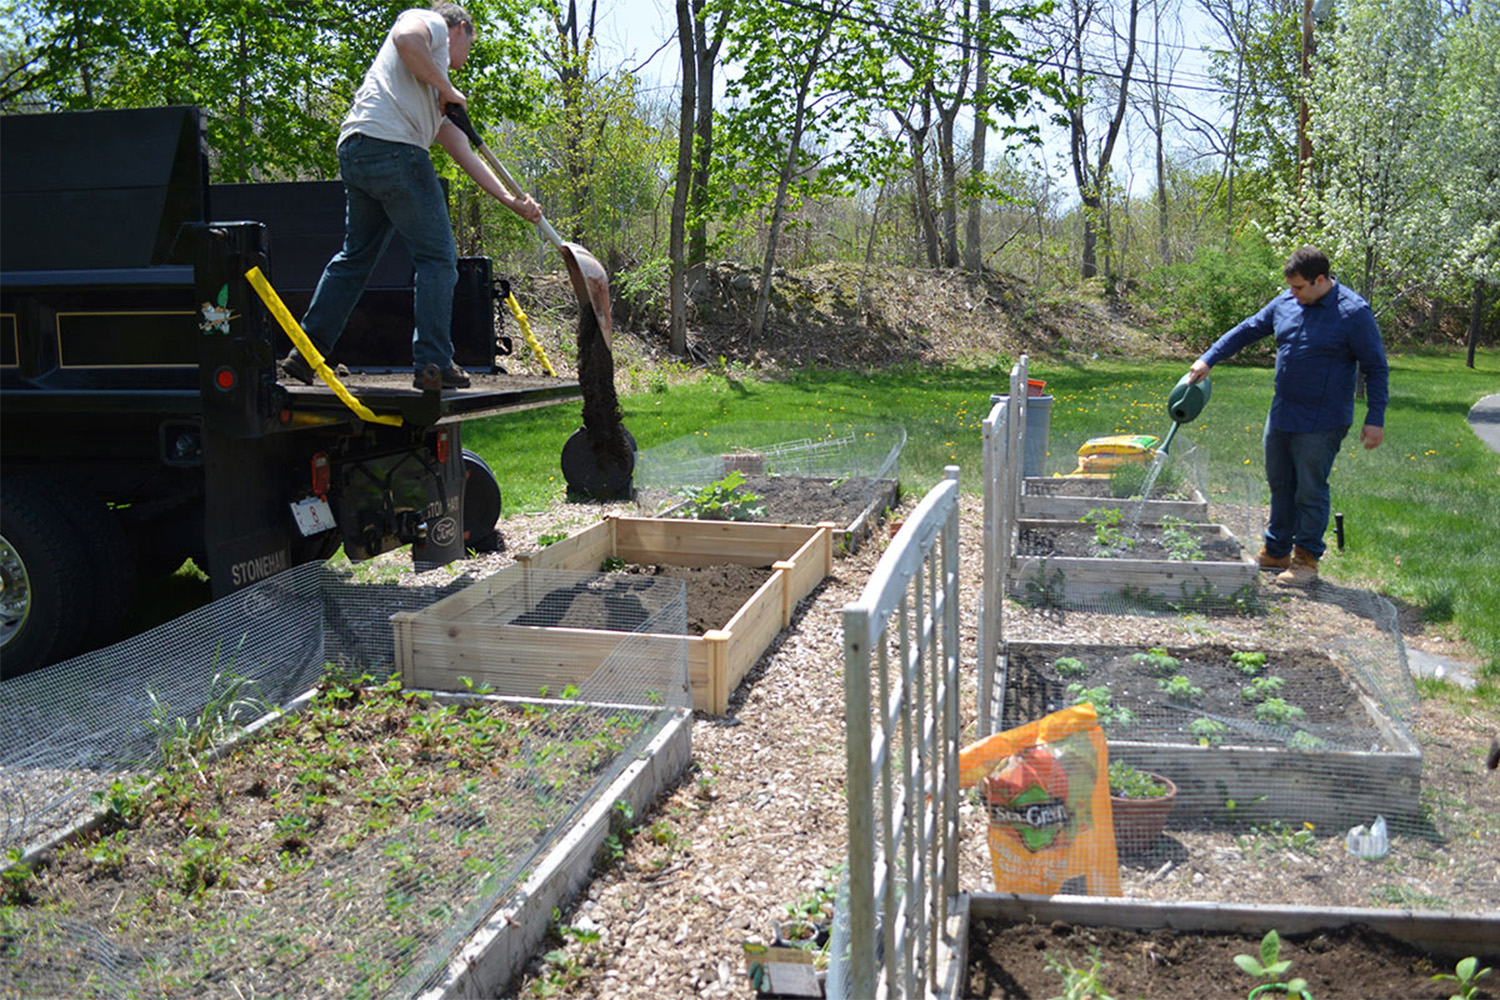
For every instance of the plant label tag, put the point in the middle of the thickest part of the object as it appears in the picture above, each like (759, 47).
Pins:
(787, 972)
(313, 516)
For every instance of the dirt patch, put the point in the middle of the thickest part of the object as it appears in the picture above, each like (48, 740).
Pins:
(1011, 961)
(1143, 541)
(1307, 680)
(715, 594)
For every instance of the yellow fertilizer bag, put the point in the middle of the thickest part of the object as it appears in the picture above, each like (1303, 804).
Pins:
(1045, 788)
(1102, 454)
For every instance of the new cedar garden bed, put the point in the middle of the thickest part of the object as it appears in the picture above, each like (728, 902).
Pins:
(343, 849)
(1296, 738)
(1188, 949)
(474, 633)
(1064, 563)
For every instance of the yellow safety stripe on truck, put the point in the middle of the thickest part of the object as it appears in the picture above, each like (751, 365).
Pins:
(531, 341)
(310, 353)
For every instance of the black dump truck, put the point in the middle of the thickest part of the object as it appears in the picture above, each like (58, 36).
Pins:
(141, 419)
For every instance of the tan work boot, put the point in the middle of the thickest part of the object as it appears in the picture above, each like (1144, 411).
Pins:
(1303, 571)
(1268, 561)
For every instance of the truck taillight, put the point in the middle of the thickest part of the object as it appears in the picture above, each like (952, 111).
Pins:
(442, 447)
(224, 379)
(322, 474)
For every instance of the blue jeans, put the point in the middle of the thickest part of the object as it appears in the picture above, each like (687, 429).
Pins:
(1297, 468)
(390, 187)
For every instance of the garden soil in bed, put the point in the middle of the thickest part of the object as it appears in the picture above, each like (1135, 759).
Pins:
(315, 859)
(1010, 961)
(715, 594)
(1312, 681)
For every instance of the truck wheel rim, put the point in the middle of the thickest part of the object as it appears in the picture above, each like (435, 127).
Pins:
(15, 592)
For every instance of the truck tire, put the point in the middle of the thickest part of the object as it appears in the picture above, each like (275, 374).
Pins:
(46, 593)
(482, 505)
(107, 561)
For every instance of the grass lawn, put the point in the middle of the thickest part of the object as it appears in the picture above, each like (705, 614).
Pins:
(1422, 512)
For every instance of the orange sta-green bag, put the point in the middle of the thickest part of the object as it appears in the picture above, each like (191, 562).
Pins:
(1045, 788)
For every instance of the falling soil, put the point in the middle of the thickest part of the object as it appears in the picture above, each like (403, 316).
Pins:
(1010, 961)
(1308, 679)
(602, 423)
(1144, 541)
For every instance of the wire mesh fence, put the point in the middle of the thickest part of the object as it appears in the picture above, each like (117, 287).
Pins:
(257, 807)
(802, 473)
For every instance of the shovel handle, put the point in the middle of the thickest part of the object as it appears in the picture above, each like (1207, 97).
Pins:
(459, 116)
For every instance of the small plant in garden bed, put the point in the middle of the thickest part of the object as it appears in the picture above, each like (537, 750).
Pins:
(1102, 699)
(1208, 732)
(1109, 540)
(318, 856)
(723, 500)
(1250, 663)
(1303, 740)
(1467, 975)
(1126, 782)
(1180, 541)
(1270, 966)
(1158, 661)
(1080, 983)
(1179, 688)
(1280, 836)
(1278, 712)
(1069, 666)
(1261, 688)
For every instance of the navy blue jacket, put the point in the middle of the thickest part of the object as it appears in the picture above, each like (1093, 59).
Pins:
(1318, 350)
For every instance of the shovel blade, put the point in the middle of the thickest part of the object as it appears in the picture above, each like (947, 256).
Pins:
(591, 285)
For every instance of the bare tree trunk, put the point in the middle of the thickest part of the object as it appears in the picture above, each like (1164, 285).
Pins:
(784, 181)
(1476, 319)
(973, 257)
(677, 338)
(1090, 174)
(926, 224)
(707, 56)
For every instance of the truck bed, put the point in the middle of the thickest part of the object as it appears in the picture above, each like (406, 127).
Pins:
(392, 392)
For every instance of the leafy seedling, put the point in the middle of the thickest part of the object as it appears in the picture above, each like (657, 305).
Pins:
(1278, 712)
(1180, 541)
(723, 500)
(1158, 661)
(1179, 688)
(1250, 664)
(1109, 539)
(1467, 975)
(1069, 666)
(1271, 966)
(1208, 732)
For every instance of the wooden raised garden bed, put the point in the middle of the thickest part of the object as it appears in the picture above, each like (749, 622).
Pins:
(1046, 567)
(1342, 763)
(1067, 499)
(460, 636)
(1155, 948)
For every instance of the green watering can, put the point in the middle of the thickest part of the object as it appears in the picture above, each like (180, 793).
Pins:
(1186, 401)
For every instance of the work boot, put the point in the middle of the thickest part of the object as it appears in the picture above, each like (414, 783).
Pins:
(1268, 561)
(296, 366)
(1303, 571)
(431, 378)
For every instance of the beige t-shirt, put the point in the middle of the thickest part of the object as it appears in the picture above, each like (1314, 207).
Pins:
(391, 103)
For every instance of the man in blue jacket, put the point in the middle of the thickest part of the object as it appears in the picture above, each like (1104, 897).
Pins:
(1325, 334)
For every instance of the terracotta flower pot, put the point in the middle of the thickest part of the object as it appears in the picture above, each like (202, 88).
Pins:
(1139, 821)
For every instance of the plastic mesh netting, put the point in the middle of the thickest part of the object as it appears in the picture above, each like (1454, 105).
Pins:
(854, 463)
(271, 815)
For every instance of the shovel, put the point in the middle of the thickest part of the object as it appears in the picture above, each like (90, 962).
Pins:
(590, 282)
